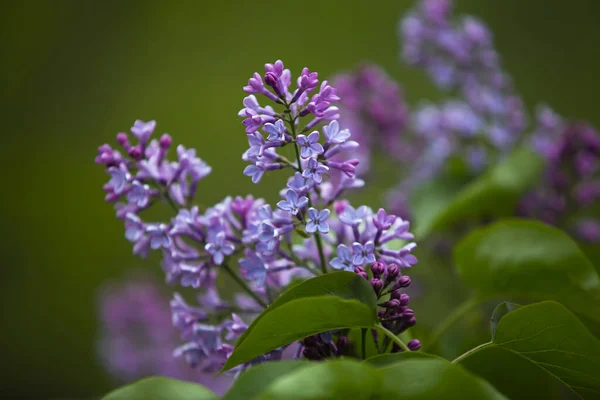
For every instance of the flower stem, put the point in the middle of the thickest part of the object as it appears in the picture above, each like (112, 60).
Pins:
(394, 338)
(451, 319)
(317, 235)
(244, 285)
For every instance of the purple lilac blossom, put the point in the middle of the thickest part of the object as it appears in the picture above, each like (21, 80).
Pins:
(484, 123)
(197, 244)
(137, 338)
(374, 110)
(569, 192)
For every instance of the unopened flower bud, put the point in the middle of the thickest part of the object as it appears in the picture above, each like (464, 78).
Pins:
(135, 152)
(392, 272)
(165, 141)
(363, 275)
(396, 294)
(122, 139)
(359, 269)
(404, 299)
(377, 284)
(414, 345)
(404, 281)
(377, 268)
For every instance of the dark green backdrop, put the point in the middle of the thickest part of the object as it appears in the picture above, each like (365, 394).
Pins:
(76, 72)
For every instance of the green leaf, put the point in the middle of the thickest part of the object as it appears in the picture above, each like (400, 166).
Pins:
(500, 311)
(413, 378)
(494, 194)
(252, 382)
(384, 360)
(333, 301)
(527, 259)
(341, 379)
(540, 351)
(161, 389)
(433, 378)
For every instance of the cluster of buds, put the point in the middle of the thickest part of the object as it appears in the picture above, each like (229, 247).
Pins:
(322, 346)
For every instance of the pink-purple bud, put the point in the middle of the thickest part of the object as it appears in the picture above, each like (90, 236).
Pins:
(377, 268)
(165, 141)
(404, 281)
(359, 269)
(396, 294)
(414, 345)
(404, 299)
(339, 206)
(392, 272)
(122, 139)
(377, 284)
(363, 275)
(135, 152)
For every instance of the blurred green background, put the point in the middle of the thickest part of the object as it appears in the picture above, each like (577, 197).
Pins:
(76, 72)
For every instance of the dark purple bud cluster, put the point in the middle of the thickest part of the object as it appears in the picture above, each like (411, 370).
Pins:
(321, 346)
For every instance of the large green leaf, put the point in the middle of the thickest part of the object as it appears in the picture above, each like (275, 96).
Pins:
(384, 360)
(161, 389)
(433, 378)
(494, 194)
(327, 302)
(252, 382)
(527, 259)
(326, 380)
(540, 351)
(410, 379)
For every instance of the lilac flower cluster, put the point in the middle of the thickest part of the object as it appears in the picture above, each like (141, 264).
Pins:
(373, 108)
(459, 55)
(265, 242)
(137, 339)
(569, 193)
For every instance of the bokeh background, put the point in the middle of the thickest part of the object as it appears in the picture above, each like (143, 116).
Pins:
(75, 72)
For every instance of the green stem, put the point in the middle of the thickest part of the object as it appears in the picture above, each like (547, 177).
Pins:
(473, 350)
(244, 285)
(363, 344)
(299, 160)
(394, 338)
(451, 319)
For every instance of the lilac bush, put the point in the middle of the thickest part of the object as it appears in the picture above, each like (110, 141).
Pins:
(311, 231)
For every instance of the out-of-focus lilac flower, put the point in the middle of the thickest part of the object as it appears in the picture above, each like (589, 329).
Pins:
(253, 268)
(138, 194)
(314, 170)
(292, 203)
(134, 227)
(343, 260)
(373, 108)
(570, 188)
(354, 217)
(235, 327)
(309, 145)
(119, 179)
(137, 338)
(317, 220)
(363, 253)
(159, 237)
(269, 235)
(219, 247)
(143, 130)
